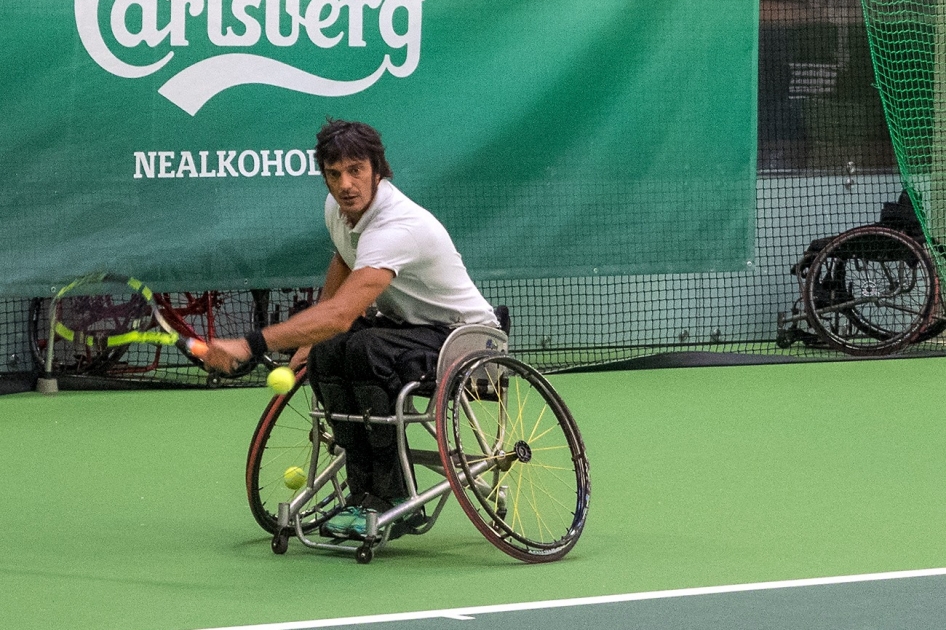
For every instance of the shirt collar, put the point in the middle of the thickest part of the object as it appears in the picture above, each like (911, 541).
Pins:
(380, 197)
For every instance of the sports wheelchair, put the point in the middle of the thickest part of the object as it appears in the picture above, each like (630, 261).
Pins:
(869, 291)
(506, 444)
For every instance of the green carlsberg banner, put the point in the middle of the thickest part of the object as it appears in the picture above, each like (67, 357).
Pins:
(173, 139)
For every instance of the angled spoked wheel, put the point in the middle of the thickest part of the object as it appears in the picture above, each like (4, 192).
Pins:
(513, 456)
(871, 291)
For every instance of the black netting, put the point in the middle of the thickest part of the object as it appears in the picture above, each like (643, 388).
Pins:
(825, 165)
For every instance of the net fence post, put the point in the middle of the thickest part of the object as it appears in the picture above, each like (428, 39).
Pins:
(47, 384)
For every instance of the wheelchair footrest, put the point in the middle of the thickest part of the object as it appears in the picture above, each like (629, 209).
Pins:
(410, 524)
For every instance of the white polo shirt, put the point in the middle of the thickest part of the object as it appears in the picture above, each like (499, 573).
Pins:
(431, 284)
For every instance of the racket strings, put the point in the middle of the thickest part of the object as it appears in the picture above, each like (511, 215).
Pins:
(95, 318)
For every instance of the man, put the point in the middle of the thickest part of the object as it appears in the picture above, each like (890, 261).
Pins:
(392, 254)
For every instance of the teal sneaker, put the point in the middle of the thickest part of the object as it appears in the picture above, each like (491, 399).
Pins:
(359, 524)
(340, 525)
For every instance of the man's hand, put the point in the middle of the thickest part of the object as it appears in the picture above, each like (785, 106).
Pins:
(300, 357)
(226, 355)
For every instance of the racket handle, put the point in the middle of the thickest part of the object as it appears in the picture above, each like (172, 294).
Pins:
(196, 347)
(199, 349)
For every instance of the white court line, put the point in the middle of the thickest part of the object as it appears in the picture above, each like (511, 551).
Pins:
(470, 613)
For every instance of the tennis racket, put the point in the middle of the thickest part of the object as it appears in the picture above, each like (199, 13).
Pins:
(104, 311)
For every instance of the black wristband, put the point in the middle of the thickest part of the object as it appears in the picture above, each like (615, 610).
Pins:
(257, 343)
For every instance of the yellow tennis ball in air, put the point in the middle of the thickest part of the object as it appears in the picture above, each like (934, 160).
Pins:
(281, 380)
(294, 477)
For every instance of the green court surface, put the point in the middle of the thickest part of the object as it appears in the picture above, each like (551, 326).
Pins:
(128, 510)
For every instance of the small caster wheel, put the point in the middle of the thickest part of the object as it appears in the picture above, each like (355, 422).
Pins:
(213, 380)
(364, 554)
(280, 542)
(783, 339)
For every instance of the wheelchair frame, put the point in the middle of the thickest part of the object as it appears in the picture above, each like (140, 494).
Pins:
(507, 446)
(869, 291)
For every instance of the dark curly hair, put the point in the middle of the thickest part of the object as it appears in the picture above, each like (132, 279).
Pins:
(341, 139)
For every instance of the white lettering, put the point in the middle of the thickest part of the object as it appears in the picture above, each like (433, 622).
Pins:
(203, 165)
(409, 40)
(314, 24)
(319, 15)
(356, 20)
(148, 33)
(230, 163)
(249, 172)
(144, 164)
(292, 170)
(87, 25)
(186, 165)
(178, 22)
(276, 162)
(225, 166)
(164, 164)
(273, 31)
(244, 24)
(251, 32)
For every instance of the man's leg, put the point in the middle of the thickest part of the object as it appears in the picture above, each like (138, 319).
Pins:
(387, 476)
(380, 361)
(327, 375)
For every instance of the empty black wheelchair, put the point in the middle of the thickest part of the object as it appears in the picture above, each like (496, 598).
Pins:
(502, 442)
(869, 291)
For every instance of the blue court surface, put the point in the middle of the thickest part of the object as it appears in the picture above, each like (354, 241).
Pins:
(908, 599)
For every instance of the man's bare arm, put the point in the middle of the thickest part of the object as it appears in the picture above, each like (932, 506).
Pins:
(336, 274)
(331, 316)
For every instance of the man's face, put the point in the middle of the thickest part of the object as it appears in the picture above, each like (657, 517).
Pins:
(353, 184)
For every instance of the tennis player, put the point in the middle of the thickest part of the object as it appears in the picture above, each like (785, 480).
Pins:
(391, 254)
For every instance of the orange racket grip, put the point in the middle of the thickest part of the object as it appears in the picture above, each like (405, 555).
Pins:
(196, 347)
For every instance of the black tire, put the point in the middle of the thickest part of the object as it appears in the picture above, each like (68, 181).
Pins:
(870, 291)
(500, 415)
(364, 554)
(937, 321)
(284, 438)
(280, 542)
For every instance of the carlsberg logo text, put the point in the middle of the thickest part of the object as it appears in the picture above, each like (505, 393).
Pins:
(235, 27)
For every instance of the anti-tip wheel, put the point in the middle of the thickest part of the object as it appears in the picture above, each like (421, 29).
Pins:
(280, 542)
(364, 554)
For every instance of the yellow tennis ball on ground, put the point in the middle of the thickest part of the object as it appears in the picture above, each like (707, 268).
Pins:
(281, 380)
(294, 477)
